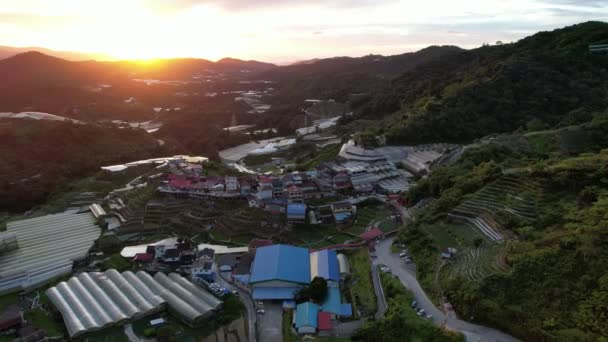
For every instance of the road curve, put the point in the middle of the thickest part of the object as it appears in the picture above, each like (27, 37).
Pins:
(407, 276)
(246, 300)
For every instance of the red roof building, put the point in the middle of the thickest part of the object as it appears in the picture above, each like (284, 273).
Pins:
(143, 257)
(371, 234)
(324, 321)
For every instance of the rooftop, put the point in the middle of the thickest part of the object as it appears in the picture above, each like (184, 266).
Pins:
(47, 247)
(281, 262)
(306, 315)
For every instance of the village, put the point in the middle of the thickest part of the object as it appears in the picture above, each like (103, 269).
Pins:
(191, 243)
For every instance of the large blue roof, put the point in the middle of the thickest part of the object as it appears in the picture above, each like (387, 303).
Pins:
(324, 264)
(306, 315)
(261, 293)
(332, 302)
(296, 209)
(281, 262)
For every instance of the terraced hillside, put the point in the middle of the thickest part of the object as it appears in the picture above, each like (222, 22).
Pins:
(509, 194)
(478, 262)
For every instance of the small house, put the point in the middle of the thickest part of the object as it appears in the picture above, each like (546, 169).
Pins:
(307, 318)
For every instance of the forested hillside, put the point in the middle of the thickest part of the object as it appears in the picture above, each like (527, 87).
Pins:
(340, 77)
(547, 280)
(549, 79)
(39, 157)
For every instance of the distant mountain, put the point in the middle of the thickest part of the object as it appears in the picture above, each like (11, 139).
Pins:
(340, 77)
(376, 65)
(10, 51)
(251, 66)
(35, 69)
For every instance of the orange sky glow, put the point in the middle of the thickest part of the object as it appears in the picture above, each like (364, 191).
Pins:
(277, 30)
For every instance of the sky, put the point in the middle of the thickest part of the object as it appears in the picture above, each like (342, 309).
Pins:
(279, 31)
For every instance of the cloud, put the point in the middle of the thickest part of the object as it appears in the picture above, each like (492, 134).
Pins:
(579, 3)
(262, 4)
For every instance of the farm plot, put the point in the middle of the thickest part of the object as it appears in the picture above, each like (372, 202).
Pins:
(508, 194)
(476, 263)
(378, 216)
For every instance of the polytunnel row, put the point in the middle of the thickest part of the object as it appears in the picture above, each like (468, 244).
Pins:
(93, 301)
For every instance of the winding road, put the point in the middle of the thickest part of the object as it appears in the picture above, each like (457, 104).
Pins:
(247, 301)
(407, 276)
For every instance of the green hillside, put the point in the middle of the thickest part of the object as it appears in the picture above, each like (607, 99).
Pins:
(546, 80)
(546, 275)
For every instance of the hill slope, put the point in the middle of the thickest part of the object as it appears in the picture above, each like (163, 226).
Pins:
(496, 89)
(39, 157)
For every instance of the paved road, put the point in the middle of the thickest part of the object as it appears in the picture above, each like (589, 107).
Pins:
(407, 276)
(246, 300)
(270, 324)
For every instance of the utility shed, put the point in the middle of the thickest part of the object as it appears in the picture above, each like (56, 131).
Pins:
(343, 265)
(324, 264)
(47, 248)
(306, 318)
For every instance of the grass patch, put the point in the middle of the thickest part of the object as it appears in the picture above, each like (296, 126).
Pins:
(254, 160)
(362, 288)
(117, 262)
(452, 235)
(542, 144)
(288, 335)
(377, 214)
(8, 299)
(108, 335)
(316, 157)
(53, 325)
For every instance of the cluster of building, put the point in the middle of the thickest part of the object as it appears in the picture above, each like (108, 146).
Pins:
(171, 254)
(279, 272)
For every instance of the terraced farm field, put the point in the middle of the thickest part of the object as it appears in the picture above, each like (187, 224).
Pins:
(508, 195)
(478, 262)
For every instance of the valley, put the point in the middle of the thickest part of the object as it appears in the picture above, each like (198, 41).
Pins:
(438, 195)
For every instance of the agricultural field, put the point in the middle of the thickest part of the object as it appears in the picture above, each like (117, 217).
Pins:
(372, 215)
(362, 288)
(487, 209)
(475, 263)
(478, 227)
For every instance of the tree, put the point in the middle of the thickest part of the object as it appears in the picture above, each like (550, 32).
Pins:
(316, 291)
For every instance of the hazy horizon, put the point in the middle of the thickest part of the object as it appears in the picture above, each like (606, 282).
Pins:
(278, 31)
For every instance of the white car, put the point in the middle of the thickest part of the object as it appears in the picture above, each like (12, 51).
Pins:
(403, 255)
(260, 311)
(429, 316)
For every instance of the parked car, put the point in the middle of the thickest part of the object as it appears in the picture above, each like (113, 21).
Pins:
(260, 311)
(403, 255)
(421, 312)
(235, 292)
(414, 304)
(429, 316)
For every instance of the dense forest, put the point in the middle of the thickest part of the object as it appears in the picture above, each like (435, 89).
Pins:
(550, 77)
(40, 157)
(556, 284)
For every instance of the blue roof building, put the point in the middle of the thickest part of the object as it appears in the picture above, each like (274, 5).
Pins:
(324, 264)
(296, 212)
(306, 318)
(332, 302)
(279, 271)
